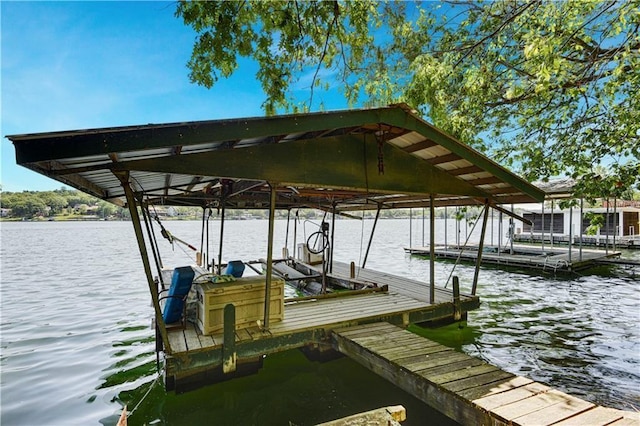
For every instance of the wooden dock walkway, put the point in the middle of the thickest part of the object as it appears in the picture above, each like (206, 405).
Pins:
(527, 257)
(467, 389)
(195, 357)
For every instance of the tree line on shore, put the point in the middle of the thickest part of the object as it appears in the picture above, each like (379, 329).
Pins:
(71, 204)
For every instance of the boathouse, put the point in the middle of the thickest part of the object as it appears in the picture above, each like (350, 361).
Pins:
(338, 162)
(619, 227)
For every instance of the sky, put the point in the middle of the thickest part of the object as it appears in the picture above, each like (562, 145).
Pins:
(82, 65)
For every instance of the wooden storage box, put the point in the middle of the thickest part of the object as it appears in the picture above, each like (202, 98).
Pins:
(246, 294)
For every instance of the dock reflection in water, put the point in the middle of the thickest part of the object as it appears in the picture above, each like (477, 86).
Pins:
(76, 341)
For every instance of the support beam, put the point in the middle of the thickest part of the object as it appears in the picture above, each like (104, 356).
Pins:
(373, 230)
(269, 272)
(296, 164)
(221, 239)
(570, 232)
(432, 250)
(580, 226)
(333, 234)
(152, 240)
(476, 273)
(135, 220)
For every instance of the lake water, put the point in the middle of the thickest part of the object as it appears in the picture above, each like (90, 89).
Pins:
(76, 342)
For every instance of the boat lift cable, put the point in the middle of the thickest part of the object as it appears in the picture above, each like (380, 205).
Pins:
(169, 236)
(462, 251)
(154, 242)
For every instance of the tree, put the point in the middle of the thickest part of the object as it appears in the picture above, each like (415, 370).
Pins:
(106, 209)
(547, 87)
(28, 207)
(53, 200)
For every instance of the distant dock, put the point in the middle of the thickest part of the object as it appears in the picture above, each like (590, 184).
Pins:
(467, 389)
(628, 242)
(556, 259)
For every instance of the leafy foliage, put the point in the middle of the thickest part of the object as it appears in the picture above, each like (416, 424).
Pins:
(552, 85)
(31, 204)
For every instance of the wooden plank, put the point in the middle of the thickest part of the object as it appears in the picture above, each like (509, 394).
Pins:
(206, 341)
(629, 418)
(447, 358)
(512, 395)
(366, 329)
(243, 334)
(380, 333)
(177, 341)
(464, 373)
(401, 354)
(632, 415)
(477, 381)
(344, 314)
(550, 415)
(191, 339)
(394, 342)
(625, 422)
(493, 388)
(594, 416)
(533, 404)
(418, 355)
(391, 416)
(465, 363)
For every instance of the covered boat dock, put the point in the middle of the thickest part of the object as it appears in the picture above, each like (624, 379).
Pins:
(338, 162)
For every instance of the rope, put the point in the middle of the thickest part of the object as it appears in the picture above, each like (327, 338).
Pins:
(143, 398)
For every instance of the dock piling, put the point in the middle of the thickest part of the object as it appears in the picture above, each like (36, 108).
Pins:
(229, 355)
(457, 310)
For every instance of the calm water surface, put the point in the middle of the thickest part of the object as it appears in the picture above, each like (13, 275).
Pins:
(76, 342)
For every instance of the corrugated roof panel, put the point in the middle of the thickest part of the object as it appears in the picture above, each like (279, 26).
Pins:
(147, 153)
(407, 139)
(454, 164)
(435, 151)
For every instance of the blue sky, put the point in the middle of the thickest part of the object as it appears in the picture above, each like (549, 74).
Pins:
(79, 65)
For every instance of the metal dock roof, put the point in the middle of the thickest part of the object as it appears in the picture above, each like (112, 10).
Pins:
(350, 160)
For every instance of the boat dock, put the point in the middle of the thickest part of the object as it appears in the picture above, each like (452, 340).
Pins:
(556, 259)
(194, 359)
(628, 242)
(467, 389)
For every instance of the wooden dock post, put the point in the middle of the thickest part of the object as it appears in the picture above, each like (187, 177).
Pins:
(457, 310)
(229, 355)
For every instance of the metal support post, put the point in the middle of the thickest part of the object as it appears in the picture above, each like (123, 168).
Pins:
(432, 250)
(135, 220)
(373, 230)
(221, 239)
(476, 273)
(267, 290)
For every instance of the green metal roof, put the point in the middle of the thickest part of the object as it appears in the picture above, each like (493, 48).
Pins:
(353, 159)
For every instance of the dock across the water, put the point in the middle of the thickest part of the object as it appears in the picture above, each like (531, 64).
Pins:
(556, 259)
(467, 389)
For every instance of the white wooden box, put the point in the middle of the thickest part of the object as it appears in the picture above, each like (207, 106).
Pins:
(246, 294)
